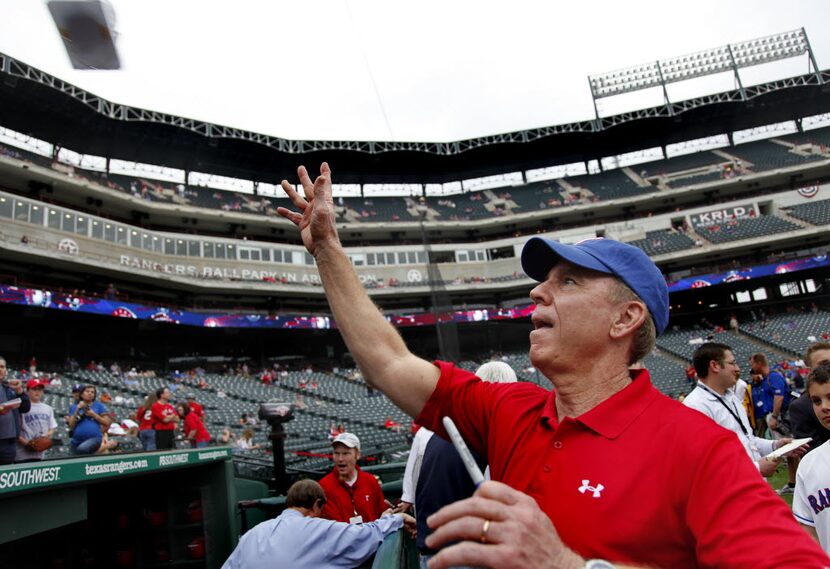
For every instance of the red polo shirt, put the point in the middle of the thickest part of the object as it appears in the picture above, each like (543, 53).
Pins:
(342, 501)
(639, 478)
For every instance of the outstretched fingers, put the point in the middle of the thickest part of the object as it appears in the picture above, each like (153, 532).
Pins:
(291, 216)
(293, 195)
(322, 185)
(305, 181)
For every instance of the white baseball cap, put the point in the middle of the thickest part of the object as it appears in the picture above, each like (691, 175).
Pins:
(347, 439)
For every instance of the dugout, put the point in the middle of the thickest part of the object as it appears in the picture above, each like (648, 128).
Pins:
(165, 509)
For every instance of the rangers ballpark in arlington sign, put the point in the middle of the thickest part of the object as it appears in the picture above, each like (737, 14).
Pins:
(60, 472)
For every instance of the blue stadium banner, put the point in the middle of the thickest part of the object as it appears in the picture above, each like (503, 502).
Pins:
(750, 273)
(51, 473)
(91, 305)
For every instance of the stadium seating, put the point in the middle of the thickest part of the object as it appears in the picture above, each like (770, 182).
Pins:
(663, 241)
(766, 155)
(696, 179)
(746, 228)
(692, 161)
(537, 196)
(610, 185)
(817, 213)
(790, 332)
(818, 136)
(325, 398)
(667, 374)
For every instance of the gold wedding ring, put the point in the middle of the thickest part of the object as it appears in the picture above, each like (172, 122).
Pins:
(484, 529)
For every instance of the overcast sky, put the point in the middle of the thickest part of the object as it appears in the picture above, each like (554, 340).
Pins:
(434, 70)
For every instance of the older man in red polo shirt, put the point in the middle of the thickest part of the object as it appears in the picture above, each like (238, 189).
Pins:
(352, 495)
(604, 471)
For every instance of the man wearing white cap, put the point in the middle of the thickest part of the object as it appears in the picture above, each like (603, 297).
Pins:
(352, 495)
(601, 472)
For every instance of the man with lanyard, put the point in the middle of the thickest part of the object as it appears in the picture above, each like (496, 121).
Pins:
(717, 373)
(353, 496)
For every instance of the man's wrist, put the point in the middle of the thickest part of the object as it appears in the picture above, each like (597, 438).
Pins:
(569, 559)
(328, 247)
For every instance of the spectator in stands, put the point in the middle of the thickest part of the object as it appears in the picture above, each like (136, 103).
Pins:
(299, 539)
(354, 496)
(195, 406)
(803, 420)
(246, 441)
(226, 437)
(111, 293)
(333, 432)
(599, 305)
(76, 396)
(164, 418)
(771, 395)
(10, 390)
(144, 416)
(87, 418)
(38, 423)
(717, 373)
(768, 392)
(194, 429)
(811, 502)
(391, 425)
(435, 475)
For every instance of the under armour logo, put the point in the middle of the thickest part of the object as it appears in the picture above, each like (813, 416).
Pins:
(586, 486)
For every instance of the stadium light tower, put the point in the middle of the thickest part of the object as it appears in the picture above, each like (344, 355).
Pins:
(731, 57)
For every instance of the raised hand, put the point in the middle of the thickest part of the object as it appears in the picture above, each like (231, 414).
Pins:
(315, 216)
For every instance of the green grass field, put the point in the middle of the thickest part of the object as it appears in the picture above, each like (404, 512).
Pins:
(778, 479)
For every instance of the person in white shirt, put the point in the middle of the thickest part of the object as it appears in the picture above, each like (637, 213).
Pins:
(714, 396)
(811, 500)
(37, 423)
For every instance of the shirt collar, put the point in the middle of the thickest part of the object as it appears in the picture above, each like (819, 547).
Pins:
(714, 395)
(611, 417)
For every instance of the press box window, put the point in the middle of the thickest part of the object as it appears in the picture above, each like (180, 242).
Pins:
(789, 289)
(21, 211)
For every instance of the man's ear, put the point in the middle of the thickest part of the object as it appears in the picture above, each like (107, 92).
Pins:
(629, 318)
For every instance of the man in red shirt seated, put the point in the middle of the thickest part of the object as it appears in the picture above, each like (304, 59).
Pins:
(353, 496)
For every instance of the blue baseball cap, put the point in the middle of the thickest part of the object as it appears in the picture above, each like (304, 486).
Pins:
(628, 263)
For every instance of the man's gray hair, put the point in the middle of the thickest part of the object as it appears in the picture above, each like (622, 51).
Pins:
(646, 336)
(496, 372)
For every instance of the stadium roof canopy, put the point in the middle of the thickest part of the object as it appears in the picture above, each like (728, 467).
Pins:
(42, 106)
(46, 102)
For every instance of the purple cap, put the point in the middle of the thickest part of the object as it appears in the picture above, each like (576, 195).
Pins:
(628, 263)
